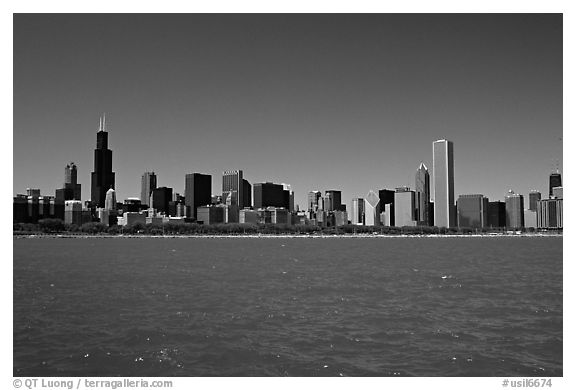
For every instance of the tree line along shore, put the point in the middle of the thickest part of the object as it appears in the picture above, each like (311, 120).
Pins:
(57, 226)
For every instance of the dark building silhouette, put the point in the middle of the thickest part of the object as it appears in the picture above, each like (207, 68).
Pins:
(333, 201)
(102, 177)
(233, 187)
(247, 193)
(472, 211)
(422, 191)
(197, 192)
(269, 195)
(555, 181)
(387, 198)
(496, 214)
(161, 198)
(149, 183)
(533, 198)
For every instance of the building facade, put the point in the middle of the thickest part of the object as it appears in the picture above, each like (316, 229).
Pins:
(357, 211)
(233, 185)
(270, 195)
(149, 184)
(372, 209)
(533, 198)
(549, 214)
(102, 177)
(514, 210)
(555, 181)
(405, 207)
(443, 171)
(161, 198)
(496, 214)
(472, 211)
(422, 193)
(197, 192)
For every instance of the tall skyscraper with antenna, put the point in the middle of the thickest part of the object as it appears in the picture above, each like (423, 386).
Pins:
(102, 177)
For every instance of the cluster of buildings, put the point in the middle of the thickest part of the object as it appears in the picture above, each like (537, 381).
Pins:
(271, 203)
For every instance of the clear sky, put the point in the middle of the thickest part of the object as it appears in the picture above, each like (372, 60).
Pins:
(345, 101)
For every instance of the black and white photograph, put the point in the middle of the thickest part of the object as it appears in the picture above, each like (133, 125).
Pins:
(375, 195)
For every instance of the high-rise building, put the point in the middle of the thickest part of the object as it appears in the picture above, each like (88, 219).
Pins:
(422, 193)
(232, 184)
(558, 192)
(102, 177)
(270, 195)
(549, 214)
(387, 205)
(110, 203)
(555, 181)
(472, 211)
(247, 193)
(313, 197)
(290, 194)
(514, 210)
(372, 209)
(443, 171)
(496, 214)
(357, 211)
(149, 184)
(405, 207)
(161, 198)
(71, 182)
(333, 200)
(197, 192)
(533, 198)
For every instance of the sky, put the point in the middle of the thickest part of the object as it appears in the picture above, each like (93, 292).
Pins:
(320, 101)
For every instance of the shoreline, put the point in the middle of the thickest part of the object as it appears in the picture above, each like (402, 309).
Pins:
(84, 236)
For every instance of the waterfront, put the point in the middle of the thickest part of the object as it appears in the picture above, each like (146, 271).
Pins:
(410, 306)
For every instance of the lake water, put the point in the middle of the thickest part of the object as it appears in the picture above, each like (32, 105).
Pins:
(288, 306)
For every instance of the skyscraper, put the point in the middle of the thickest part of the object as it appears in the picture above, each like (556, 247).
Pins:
(110, 203)
(372, 209)
(313, 197)
(71, 181)
(387, 205)
(333, 200)
(270, 195)
(422, 191)
(443, 171)
(514, 210)
(197, 192)
(404, 207)
(555, 181)
(357, 211)
(533, 198)
(247, 193)
(161, 198)
(232, 184)
(102, 177)
(472, 211)
(149, 183)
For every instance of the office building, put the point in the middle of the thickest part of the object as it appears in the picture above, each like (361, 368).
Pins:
(496, 214)
(130, 218)
(110, 202)
(372, 209)
(405, 207)
(71, 190)
(386, 197)
(555, 181)
(422, 193)
(533, 198)
(269, 195)
(472, 211)
(248, 216)
(549, 214)
(247, 194)
(357, 211)
(313, 197)
(197, 192)
(443, 172)
(210, 215)
(149, 184)
(102, 177)
(160, 199)
(73, 212)
(514, 210)
(233, 184)
(289, 194)
(558, 192)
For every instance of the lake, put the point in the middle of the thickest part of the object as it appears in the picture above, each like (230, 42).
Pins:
(401, 306)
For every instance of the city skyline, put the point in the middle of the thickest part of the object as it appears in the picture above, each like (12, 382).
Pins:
(311, 112)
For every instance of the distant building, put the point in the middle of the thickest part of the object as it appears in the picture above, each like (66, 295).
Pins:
(197, 192)
(149, 184)
(357, 211)
(530, 219)
(161, 197)
(110, 202)
(443, 171)
(247, 193)
(472, 211)
(130, 218)
(133, 205)
(555, 181)
(269, 195)
(514, 210)
(71, 190)
(387, 215)
(422, 193)
(210, 215)
(405, 207)
(386, 197)
(558, 192)
(103, 216)
(496, 214)
(102, 177)
(549, 214)
(248, 216)
(333, 201)
(280, 215)
(233, 184)
(73, 212)
(313, 197)
(372, 209)
(35, 192)
(533, 198)
(340, 218)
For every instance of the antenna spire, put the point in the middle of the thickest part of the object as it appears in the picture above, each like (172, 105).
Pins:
(104, 121)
